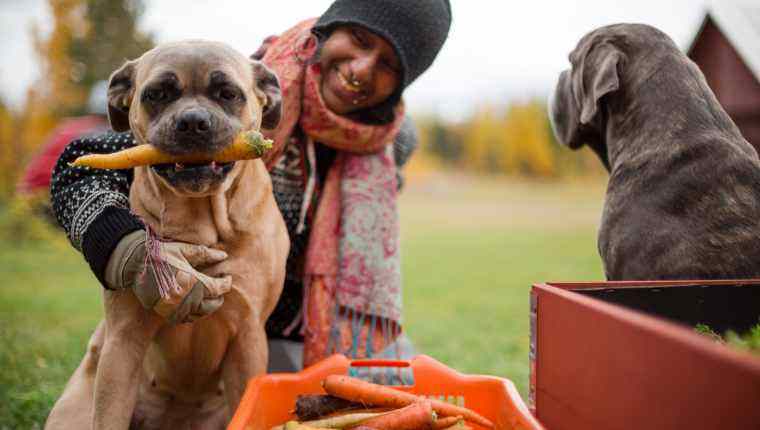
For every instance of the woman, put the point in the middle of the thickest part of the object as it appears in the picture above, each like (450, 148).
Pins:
(334, 169)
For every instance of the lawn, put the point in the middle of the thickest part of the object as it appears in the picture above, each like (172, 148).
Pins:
(471, 249)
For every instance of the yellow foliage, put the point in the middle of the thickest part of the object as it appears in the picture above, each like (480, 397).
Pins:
(36, 123)
(60, 87)
(50, 98)
(515, 142)
(21, 221)
(526, 136)
(483, 140)
(7, 151)
(420, 167)
(77, 52)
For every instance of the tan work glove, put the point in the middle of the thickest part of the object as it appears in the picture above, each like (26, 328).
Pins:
(195, 294)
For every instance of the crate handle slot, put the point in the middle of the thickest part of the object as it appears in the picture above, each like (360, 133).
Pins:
(374, 362)
(382, 371)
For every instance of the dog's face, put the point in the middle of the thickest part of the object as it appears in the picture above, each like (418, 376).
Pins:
(610, 61)
(193, 97)
(574, 107)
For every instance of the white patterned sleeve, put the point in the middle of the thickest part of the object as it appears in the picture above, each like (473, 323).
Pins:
(92, 205)
(80, 194)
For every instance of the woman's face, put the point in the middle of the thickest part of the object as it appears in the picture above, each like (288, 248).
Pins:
(359, 69)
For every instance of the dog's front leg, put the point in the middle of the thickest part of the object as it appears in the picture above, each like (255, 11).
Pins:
(129, 331)
(246, 357)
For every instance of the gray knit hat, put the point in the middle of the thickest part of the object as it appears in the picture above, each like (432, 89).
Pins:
(415, 28)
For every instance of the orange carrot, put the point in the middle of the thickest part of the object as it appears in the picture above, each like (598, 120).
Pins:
(446, 422)
(247, 145)
(417, 416)
(360, 391)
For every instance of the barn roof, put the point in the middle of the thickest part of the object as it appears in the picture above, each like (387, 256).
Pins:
(739, 21)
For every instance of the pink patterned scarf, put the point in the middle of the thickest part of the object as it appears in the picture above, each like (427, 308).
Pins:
(352, 300)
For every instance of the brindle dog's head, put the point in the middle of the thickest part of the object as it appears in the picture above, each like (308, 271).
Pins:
(192, 97)
(610, 60)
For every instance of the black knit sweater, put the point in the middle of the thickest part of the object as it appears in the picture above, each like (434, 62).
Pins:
(92, 206)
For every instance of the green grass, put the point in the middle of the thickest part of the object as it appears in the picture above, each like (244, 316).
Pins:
(471, 249)
(49, 304)
(748, 341)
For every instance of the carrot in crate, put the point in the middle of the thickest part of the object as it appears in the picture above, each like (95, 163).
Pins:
(417, 416)
(364, 392)
(247, 145)
(447, 422)
(343, 421)
(313, 406)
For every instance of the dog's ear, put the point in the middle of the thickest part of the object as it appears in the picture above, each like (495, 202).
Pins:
(564, 112)
(575, 104)
(120, 93)
(267, 84)
(598, 77)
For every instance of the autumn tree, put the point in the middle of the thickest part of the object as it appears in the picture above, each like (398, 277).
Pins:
(111, 36)
(7, 150)
(445, 141)
(516, 141)
(59, 86)
(527, 143)
(89, 39)
(483, 139)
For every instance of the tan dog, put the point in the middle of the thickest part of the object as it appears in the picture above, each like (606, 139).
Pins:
(141, 371)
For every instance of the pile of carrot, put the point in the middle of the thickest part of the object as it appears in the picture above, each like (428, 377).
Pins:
(354, 404)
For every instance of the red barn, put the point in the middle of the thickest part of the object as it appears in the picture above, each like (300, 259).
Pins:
(727, 49)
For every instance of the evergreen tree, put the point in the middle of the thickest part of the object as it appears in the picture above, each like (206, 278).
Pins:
(90, 39)
(111, 37)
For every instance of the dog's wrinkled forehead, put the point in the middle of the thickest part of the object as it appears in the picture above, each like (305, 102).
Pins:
(194, 65)
(627, 37)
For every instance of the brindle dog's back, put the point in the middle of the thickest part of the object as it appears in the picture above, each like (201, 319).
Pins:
(684, 217)
(683, 200)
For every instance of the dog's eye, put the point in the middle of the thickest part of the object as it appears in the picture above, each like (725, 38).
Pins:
(155, 95)
(228, 94)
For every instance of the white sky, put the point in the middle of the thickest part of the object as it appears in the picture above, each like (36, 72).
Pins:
(497, 51)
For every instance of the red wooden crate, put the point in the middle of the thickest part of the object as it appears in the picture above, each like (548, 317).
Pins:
(639, 364)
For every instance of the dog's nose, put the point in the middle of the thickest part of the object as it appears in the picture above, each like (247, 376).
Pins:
(194, 122)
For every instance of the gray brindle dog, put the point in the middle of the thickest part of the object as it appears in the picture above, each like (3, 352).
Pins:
(683, 199)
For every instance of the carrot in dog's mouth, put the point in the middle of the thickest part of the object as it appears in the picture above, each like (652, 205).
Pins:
(247, 145)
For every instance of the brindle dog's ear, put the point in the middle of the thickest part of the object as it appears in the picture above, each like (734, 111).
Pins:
(268, 85)
(564, 112)
(598, 77)
(120, 92)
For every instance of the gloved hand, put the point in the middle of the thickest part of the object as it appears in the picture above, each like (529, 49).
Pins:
(196, 294)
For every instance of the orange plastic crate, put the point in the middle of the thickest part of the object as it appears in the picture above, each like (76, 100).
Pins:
(269, 399)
